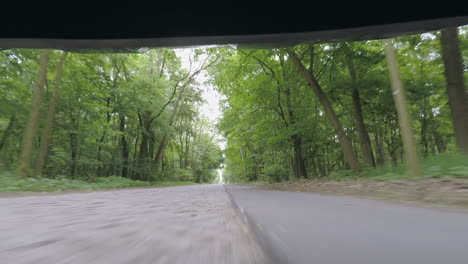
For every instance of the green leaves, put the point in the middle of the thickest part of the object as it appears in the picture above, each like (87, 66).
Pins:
(267, 104)
(267, 109)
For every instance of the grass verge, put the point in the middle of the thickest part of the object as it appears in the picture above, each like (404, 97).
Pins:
(11, 183)
(443, 166)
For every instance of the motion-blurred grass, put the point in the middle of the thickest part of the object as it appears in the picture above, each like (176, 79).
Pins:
(446, 165)
(9, 182)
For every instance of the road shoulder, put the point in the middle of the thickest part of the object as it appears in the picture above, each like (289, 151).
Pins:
(440, 193)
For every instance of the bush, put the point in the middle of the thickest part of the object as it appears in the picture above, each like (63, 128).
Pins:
(183, 175)
(276, 173)
(118, 182)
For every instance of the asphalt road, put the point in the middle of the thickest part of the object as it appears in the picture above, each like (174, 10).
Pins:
(311, 228)
(185, 224)
(225, 224)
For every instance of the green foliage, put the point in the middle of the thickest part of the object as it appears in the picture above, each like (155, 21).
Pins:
(272, 120)
(183, 175)
(11, 183)
(446, 165)
(276, 173)
(117, 111)
(114, 111)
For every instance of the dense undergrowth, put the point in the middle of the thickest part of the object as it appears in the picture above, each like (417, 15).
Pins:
(446, 165)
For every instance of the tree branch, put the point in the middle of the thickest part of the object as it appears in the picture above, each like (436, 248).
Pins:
(328, 61)
(190, 79)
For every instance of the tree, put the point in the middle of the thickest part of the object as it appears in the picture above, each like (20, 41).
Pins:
(28, 139)
(364, 139)
(456, 91)
(350, 154)
(45, 139)
(402, 110)
(188, 79)
(140, 115)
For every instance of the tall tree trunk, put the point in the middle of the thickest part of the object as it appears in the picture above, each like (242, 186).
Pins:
(101, 140)
(134, 171)
(125, 148)
(313, 168)
(73, 150)
(401, 105)
(297, 162)
(187, 150)
(175, 112)
(46, 133)
(432, 144)
(438, 140)
(8, 131)
(172, 158)
(300, 170)
(31, 127)
(242, 155)
(258, 170)
(145, 122)
(393, 156)
(181, 152)
(364, 140)
(152, 141)
(392, 146)
(380, 150)
(163, 163)
(321, 162)
(144, 156)
(424, 134)
(345, 143)
(456, 92)
(160, 152)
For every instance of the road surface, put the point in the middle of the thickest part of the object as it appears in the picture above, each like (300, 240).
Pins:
(225, 224)
(185, 224)
(309, 228)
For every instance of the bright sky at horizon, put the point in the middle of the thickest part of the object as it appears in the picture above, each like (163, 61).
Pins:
(210, 108)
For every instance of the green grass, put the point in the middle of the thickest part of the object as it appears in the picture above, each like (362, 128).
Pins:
(11, 183)
(447, 165)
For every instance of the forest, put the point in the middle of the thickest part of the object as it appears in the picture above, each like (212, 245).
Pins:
(133, 115)
(317, 110)
(327, 110)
